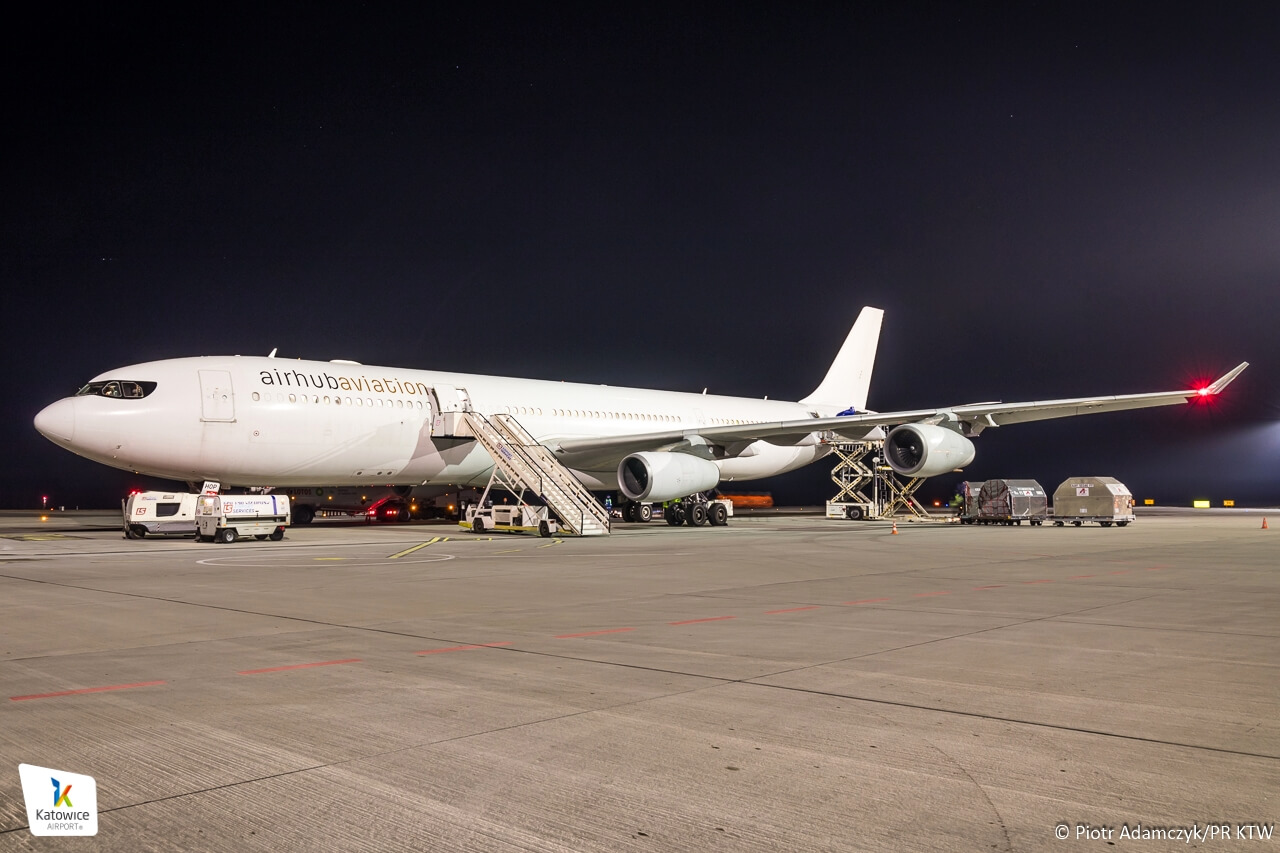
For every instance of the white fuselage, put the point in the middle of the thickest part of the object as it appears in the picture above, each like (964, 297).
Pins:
(274, 422)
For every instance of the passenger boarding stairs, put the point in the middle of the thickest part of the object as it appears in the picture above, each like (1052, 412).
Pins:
(526, 464)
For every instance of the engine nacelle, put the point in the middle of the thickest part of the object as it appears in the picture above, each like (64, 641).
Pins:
(660, 476)
(925, 450)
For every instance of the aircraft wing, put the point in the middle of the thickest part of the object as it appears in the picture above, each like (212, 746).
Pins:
(591, 453)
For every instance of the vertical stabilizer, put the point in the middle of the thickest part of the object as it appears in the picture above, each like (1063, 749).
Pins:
(849, 378)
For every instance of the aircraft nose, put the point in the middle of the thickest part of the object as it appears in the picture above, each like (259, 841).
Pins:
(57, 421)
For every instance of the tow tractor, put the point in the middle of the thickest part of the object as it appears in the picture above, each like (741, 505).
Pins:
(510, 518)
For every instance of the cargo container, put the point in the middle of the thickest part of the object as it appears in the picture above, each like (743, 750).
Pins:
(968, 491)
(1102, 499)
(1012, 502)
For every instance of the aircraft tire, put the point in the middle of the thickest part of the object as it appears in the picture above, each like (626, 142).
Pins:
(674, 516)
(717, 515)
(697, 516)
(644, 513)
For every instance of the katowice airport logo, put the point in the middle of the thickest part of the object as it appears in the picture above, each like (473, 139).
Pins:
(51, 810)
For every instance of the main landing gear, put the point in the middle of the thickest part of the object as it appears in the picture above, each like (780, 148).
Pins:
(694, 511)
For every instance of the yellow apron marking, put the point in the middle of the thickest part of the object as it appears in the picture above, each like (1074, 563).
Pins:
(552, 542)
(407, 551)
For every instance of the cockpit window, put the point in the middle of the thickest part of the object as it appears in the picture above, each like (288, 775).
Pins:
(117, 388)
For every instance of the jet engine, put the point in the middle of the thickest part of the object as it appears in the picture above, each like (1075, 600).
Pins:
(925, 450)
(662, 476)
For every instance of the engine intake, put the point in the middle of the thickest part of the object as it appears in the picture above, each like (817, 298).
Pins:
(925, 450)
(660, 476)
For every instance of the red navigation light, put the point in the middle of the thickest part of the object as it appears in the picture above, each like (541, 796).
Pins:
(1203, 389)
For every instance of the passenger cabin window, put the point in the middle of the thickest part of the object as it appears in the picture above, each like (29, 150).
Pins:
(117, 388)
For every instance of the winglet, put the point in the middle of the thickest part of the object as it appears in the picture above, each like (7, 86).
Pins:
(1218, 385)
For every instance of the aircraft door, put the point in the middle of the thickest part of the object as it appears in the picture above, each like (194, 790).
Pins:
(447, 402)
(217, 398)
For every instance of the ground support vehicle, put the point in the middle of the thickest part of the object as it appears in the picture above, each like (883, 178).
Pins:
(226, 518)
(511, 518)
(852, 510)
(153, 513)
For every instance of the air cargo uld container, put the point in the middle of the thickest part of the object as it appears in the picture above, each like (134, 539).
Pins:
(969, 491)
(1012, 502)
(1105, 500)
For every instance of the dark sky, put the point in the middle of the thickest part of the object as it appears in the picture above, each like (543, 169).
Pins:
(1049, 200)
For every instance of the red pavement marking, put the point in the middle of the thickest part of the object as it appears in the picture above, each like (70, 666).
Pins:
(791, 610)
(865, 601)
(593, 633)
(992, 586)
(86, 690)
(924, 594)
(297, 666)
(708, 619)
(461, 648)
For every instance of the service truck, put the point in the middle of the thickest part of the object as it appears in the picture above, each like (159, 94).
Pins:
(226, 518)
(152, 513)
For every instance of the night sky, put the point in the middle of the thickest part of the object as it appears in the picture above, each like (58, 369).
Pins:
(1048, 200)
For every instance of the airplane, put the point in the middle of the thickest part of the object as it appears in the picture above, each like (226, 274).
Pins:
(275, 422)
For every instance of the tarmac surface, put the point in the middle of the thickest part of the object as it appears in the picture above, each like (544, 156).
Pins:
(786, 683)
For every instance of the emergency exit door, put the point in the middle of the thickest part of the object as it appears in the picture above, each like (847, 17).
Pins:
(217, 399)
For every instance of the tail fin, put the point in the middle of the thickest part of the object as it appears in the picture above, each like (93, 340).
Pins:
(849, 378)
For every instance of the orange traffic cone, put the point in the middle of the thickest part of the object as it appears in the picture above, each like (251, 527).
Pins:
(895, 527)
(1265, 526)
